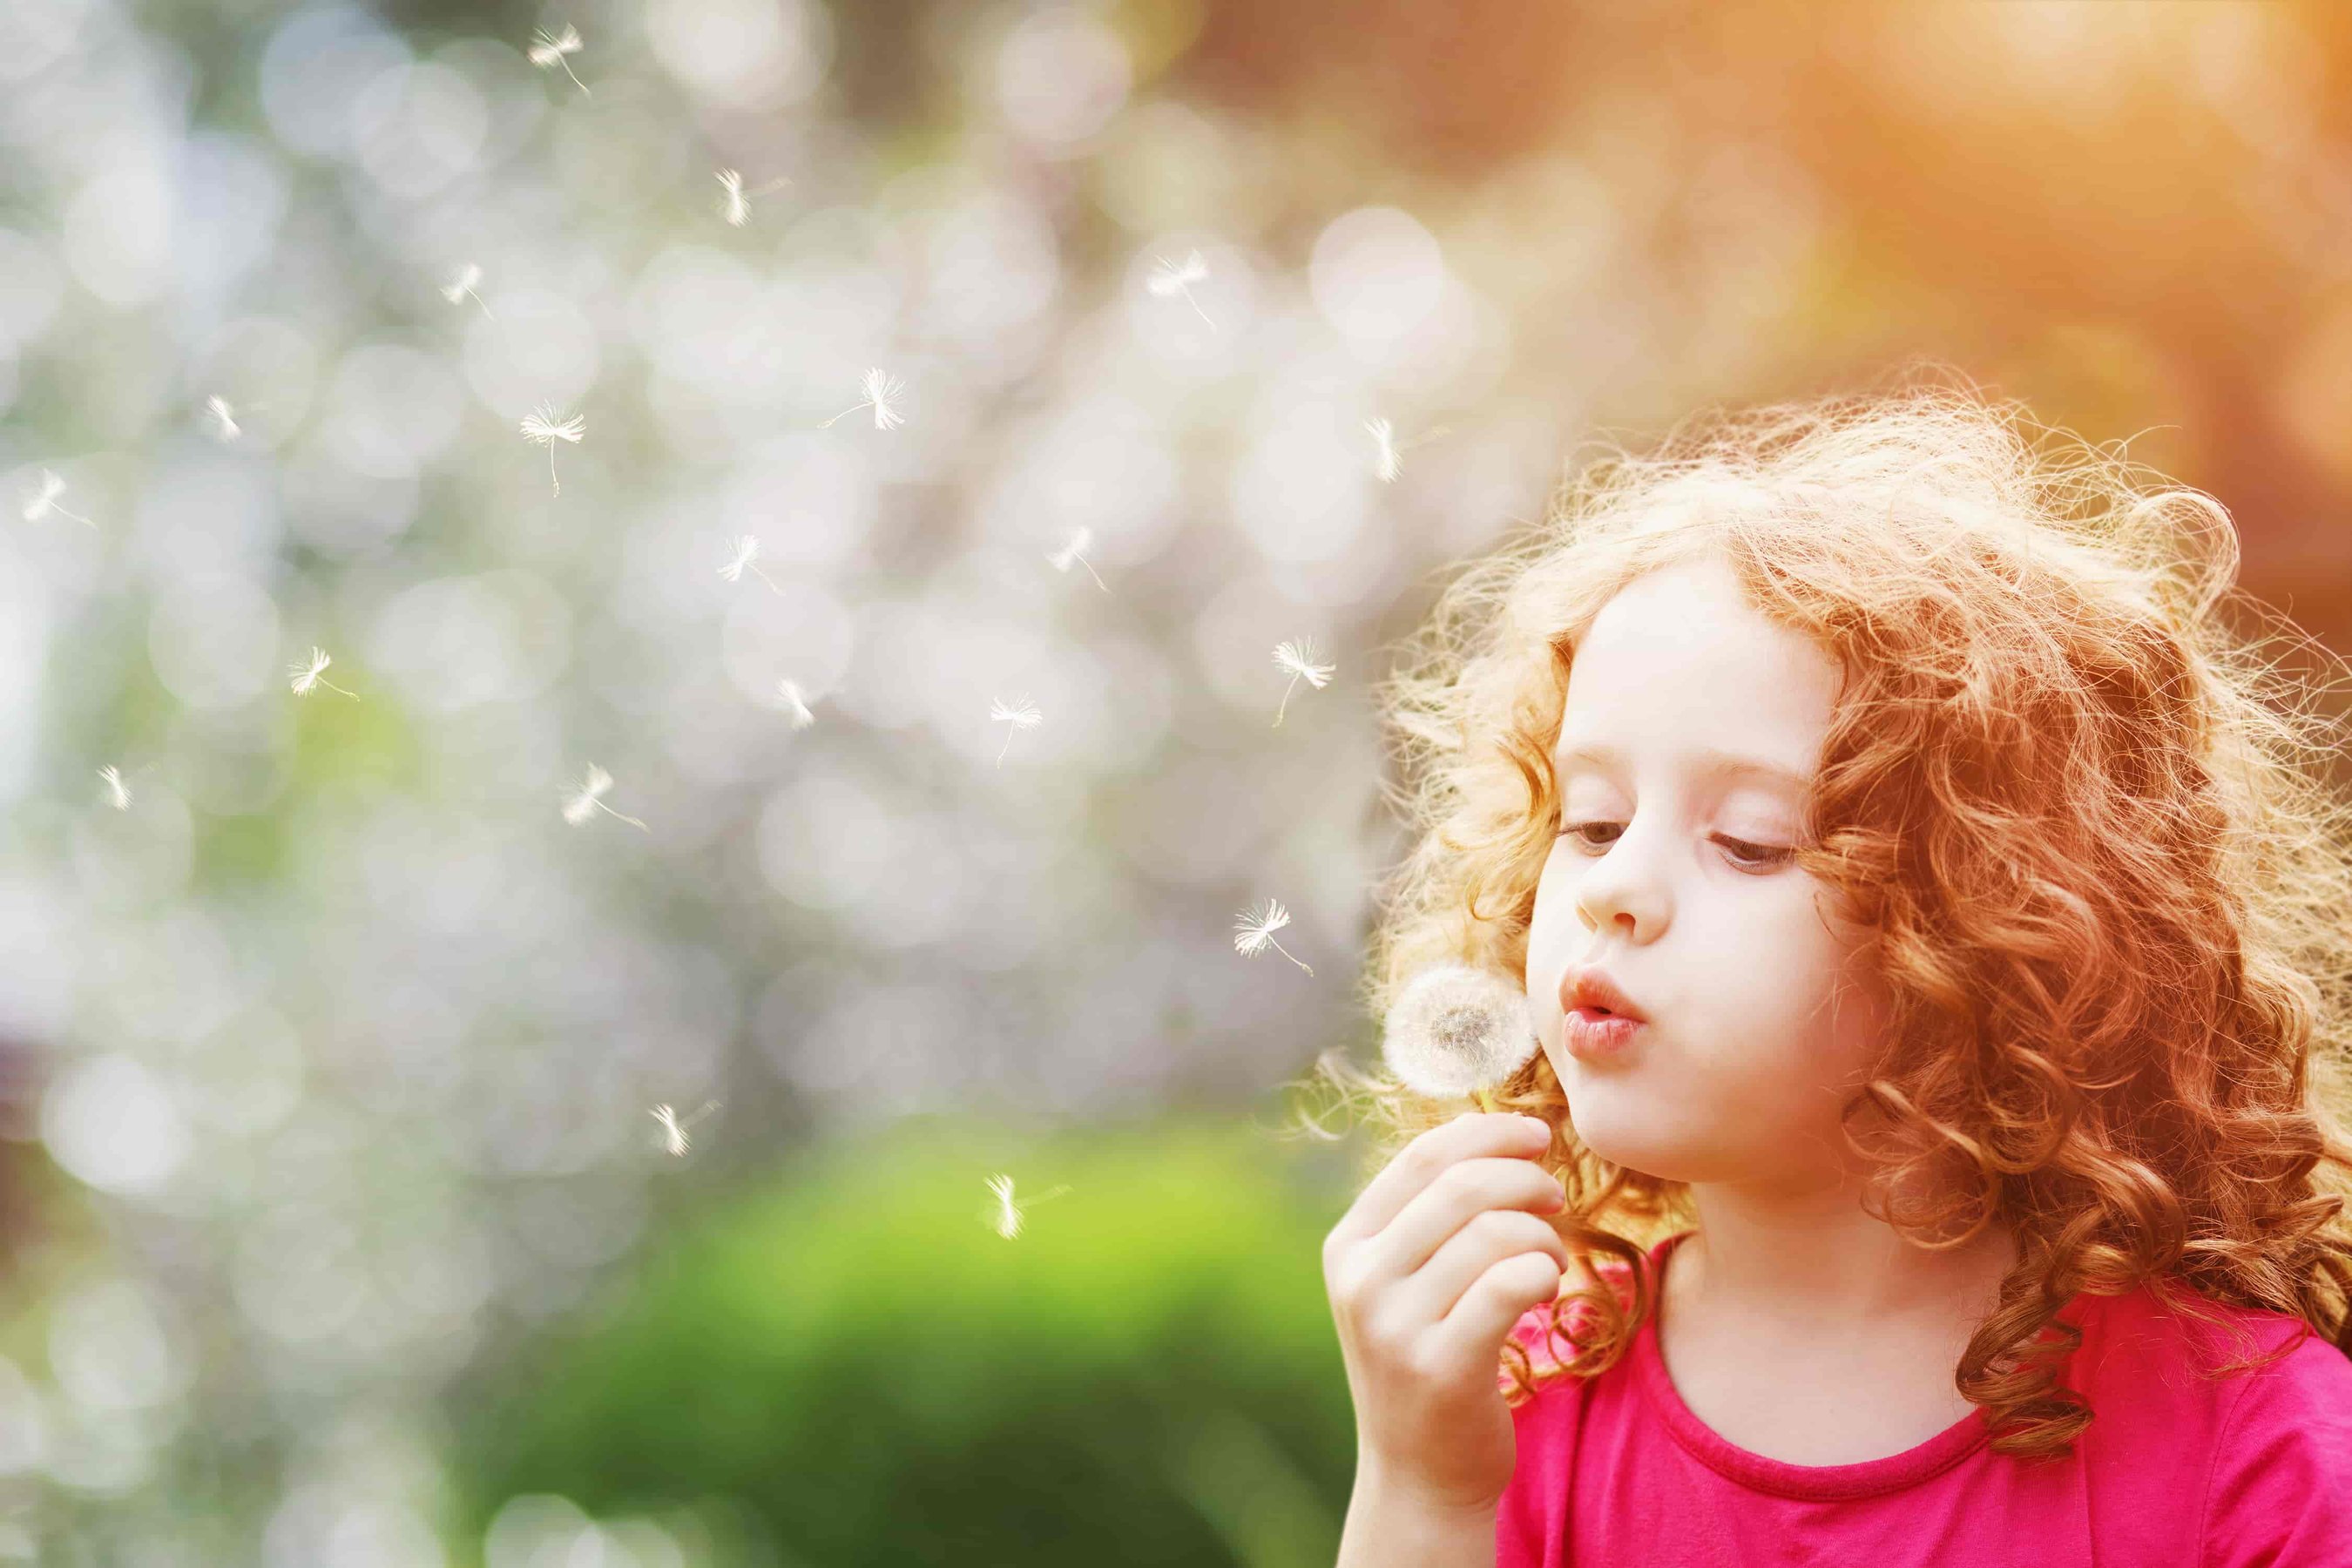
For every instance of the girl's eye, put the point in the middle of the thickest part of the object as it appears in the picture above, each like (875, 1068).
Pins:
(1749, 857)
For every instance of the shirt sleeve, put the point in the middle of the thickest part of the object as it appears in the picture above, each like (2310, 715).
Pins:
(2280, 1494)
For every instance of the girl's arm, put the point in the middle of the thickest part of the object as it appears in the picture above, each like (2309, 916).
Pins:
(1388, 1527)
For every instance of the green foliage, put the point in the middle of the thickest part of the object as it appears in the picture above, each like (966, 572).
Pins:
(1146, 1374)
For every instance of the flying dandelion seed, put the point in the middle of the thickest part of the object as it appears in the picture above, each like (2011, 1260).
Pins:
(747, 548)
(306, 675)
(1020, 713)
(1253, 930)
(1454, 1030)
(590, 800)
(1387, 451)
(542, 426)
(1008, 1214)
(224, 419)
(734, 205)
(118, 793)
(790, 690)
(1384, 460)
(549, 48)
(674, 1126)
(1081, 538)
(42, 500)
(1172, 278)
(881, 390)
(1299, 659)
(461, 283)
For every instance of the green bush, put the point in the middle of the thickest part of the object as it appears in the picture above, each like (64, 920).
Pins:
(861, 1366)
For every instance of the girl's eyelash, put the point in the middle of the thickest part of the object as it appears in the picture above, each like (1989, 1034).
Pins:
(1763, 856)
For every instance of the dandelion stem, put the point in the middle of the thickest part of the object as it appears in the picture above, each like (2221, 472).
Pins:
(1285, 953)
(1286, 703)
(623, 815)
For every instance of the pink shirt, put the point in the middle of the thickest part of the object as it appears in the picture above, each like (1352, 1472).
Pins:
(2254, 1470)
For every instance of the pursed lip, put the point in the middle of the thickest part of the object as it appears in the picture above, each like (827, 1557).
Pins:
(1591, 985)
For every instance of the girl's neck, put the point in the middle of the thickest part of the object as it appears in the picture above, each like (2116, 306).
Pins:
(1826, 1279)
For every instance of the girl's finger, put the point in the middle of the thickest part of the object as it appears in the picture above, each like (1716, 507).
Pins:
(1419, 1163)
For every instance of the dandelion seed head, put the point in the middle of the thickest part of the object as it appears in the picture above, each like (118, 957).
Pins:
(583, 804)
(1021, 712)
(547, 47)
(1171, 277)
(1255, 927)
(461, 284)
(545, 426)
(1454, 1030)
(790, 690)
(881, 390)
(117, 792)
(1299, 658)
(41, 499)
(747, 549)
(306, 675)
(1384, 438)
(737, 208)
(224, 419)
(1082, 537)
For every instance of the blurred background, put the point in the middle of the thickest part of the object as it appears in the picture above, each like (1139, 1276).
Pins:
(340, 1220)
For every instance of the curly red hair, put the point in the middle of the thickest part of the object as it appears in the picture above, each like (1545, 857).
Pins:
(2107, 880)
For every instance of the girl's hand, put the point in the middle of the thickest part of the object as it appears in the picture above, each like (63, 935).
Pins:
(1427, 1272)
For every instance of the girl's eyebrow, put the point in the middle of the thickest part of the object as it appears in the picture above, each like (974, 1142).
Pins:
(1708, 762)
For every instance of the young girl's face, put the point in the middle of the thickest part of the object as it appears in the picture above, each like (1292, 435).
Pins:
(1674, 875)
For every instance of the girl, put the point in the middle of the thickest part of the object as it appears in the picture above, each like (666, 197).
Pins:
(1936, 948)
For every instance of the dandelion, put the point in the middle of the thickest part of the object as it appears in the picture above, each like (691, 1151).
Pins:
(224, 420)
(1455, 1030)
(590, 800)
(1007, 1215)
(790, 690)
(542, 426)
(1020, 713)
(674, 1126)
(118, 793)
(880, 389)
(746, 549)
(1171, 278)
(40, 502)
(549, 48)
(1253, 930)
(462, 284)
(307, 676)
(1081, 538)
(1299, 658)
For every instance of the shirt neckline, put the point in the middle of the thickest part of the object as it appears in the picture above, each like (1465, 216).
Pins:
(1867, 1477)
